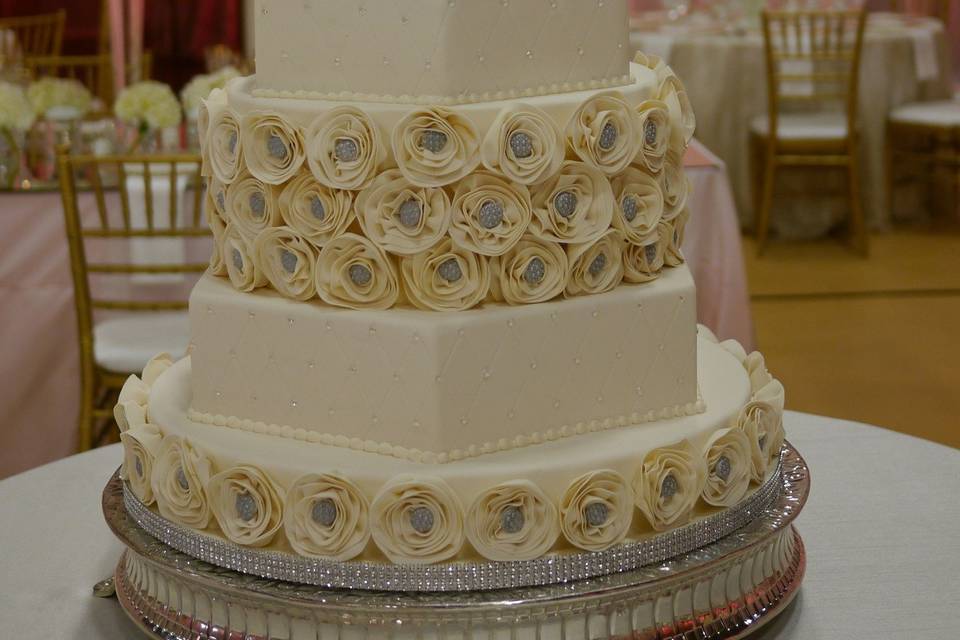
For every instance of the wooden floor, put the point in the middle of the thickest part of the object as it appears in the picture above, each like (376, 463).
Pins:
(875, 340)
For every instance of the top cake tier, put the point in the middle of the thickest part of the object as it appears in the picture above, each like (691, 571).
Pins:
(439, 51)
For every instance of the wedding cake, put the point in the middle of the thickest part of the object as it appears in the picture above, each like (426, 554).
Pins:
(447, 318)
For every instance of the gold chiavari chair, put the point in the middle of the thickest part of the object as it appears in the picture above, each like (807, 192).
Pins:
(141, 325)
(95, 72)
(39, 35)
(813, 62)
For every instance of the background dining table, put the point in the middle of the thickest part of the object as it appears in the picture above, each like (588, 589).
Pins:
(905, 59)
(883, 557)
(40, 398)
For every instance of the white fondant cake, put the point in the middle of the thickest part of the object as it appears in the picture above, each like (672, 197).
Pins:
(447, 315)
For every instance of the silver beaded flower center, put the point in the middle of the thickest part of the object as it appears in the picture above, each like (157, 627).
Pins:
(433, 141)
(346, 150)
(608, 136)
(221, 200)
(722, 468)
(596, 513)
(421, 519)
(237, 259)
(246, 506)
(565, 203)
(232, 142)
(535, 271)
(316, 208)
(450, 270)
(650, 132)
(138, 465)
(650, 252)
(182, 479)
(629, 207)
(360, 274)
(410, 212)
(258, 203)
(521, 145)
(324, 512)
(599, 264)
(289, 260)
(491, 214)
(511, 519)
(276, 148)
(669, 487)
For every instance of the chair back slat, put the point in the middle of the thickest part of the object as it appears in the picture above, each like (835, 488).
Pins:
(37, 35)
(813, 57)
(126, 212)
(95, 72)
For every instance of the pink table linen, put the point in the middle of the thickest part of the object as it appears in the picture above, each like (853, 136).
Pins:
(39, 397)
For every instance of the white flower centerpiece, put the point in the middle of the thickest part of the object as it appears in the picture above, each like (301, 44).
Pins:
(150, 107)
(16, 116)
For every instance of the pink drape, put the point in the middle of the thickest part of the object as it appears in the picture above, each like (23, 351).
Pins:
(124, 28)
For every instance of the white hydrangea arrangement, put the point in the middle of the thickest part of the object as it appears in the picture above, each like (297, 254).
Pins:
(16, 113)
(201, 85)
(149, 104)
(52, 96)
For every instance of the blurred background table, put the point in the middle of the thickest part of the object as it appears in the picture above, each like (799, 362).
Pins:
(882, 553)
(905, 59)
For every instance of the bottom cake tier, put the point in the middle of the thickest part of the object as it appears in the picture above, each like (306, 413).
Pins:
(723, 590)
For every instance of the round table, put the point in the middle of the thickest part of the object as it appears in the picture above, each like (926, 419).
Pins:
(880, 530)
(904, 60)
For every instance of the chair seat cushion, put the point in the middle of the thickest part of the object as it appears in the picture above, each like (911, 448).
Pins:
(944, 113)
(125, 343)
(803, 126)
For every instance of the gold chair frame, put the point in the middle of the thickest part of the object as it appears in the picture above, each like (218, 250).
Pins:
(928, 152)
(829, 46)
(95, 72)
(38, 35)
(100, 386)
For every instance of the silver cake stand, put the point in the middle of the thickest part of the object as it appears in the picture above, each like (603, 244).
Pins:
(727, 589)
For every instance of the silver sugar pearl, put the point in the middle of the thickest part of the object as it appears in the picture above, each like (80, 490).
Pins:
(650, 132)
(565, 203)
(360, 274)
(138, 465)
(346, 150)
(221, 200)
(521, 145)
(246, 506)
(237, 259)
(410, 212)
(433, 140)
(324, 512)
(232, 143)
(316, 208)
(258, 203)
(596, 513)
(289, 260)
(535, 271)
(450, 270)
(491, 214)
(599, 264)
(629, 207)
(512, 519)
(182, 479)
(669, 487)
(276, 147)
(650, 252)
(608, 136)
(421, 519)
(723, 468)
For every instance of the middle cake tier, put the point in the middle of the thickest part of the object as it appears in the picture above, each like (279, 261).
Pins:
(438, 387)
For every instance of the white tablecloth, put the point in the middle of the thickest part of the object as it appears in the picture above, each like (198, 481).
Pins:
(880, 529)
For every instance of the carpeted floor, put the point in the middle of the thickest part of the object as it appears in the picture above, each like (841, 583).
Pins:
(874, 340)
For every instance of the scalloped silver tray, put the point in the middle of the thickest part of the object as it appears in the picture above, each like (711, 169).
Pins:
(190, 599)
(456, 576)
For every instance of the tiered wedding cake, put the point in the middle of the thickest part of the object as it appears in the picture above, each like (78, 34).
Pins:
(447, 317)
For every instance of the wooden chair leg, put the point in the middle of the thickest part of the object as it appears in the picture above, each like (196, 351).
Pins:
(766, 205)
(858, 225)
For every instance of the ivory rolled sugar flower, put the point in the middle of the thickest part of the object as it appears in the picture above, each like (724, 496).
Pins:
(513, 521)
(532, 271)
(140, 446)
(344, 148)
(595, 267)
(654, 135)
(247, 504)
(273, 148)
(728, 468)
(224, 144)
(489, 214)
(252, 206)
(326, 516)
(668, 484)
(434, 147)
(355, 273)
(179, 479)
(523, 144)
(573, 206)
(242, 269)
(417, 520)
(445, 277)
(605, 132)
(639, 205)
(596, 510)
(643, 262)
(318, 213)
(671, 92)
(675, 186)
(287, 261)
(401, 217)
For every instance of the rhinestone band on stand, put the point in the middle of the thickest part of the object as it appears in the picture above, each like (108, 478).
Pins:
(457, 576)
